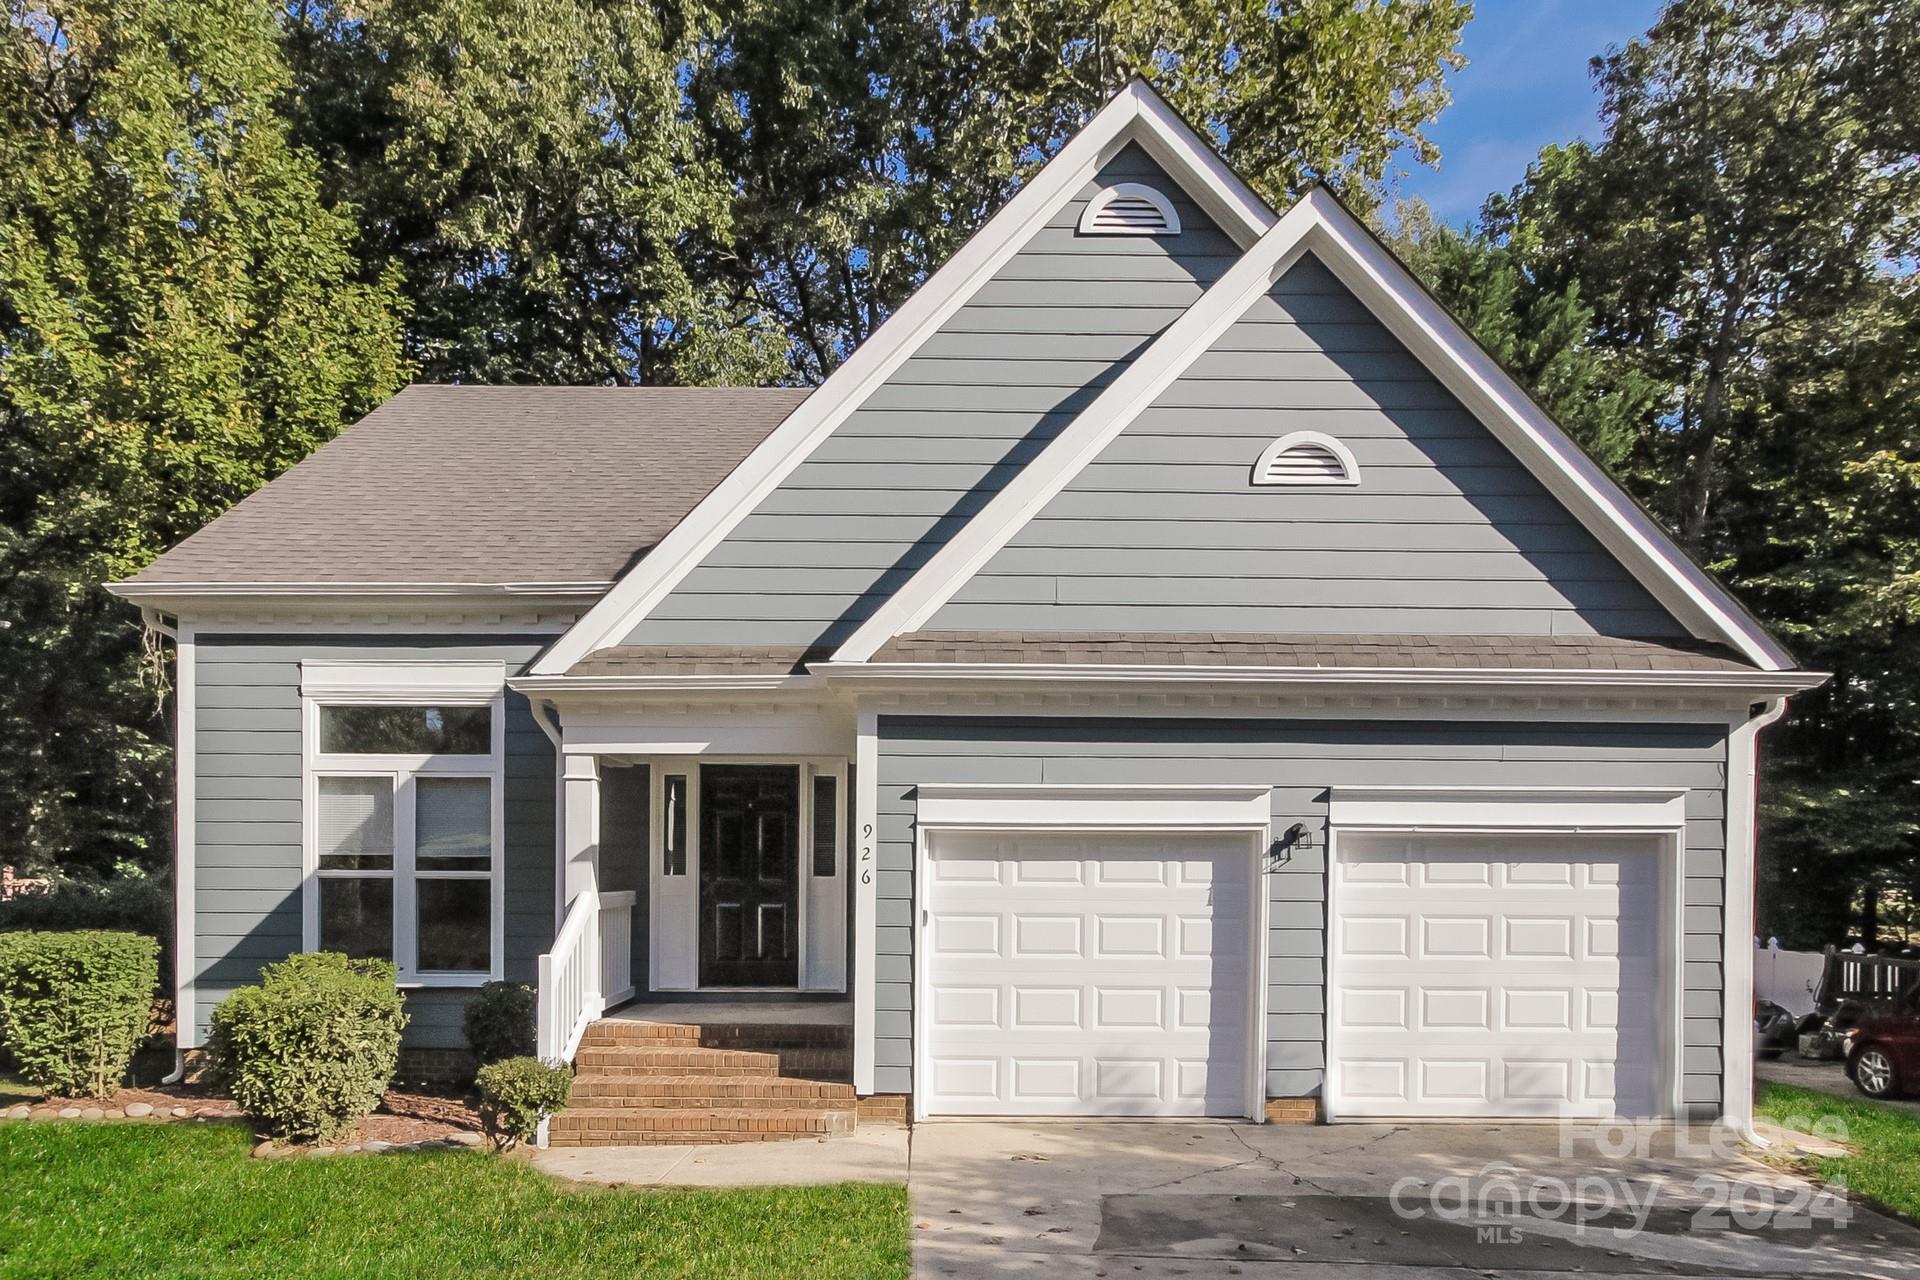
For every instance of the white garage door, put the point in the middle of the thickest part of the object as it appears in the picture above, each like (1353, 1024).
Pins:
(1496, 976)
(1088, 975)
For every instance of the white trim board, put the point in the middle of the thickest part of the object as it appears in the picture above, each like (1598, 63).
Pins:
(1320, 224)
(1135, 115)
(1046, 807)
(1609, 810)
(401, 680)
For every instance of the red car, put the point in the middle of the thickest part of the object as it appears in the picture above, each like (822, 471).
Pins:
(1883, 1050)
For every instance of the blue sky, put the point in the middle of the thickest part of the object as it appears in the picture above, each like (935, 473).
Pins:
(1525, 85)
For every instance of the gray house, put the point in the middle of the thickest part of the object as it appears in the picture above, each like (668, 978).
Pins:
(1169, 670)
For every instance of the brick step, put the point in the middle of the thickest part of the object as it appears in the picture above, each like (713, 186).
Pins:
(816, 1064)
(673, 1060)
(775, 1035)
(603, 1091)
(612, 1032)
(620, 1126)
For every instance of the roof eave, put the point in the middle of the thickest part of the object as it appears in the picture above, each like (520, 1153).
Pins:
(141, 592)
(1424, 679)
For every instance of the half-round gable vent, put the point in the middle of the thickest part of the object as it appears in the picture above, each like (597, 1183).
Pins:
(1130, 209)
(1306, 457)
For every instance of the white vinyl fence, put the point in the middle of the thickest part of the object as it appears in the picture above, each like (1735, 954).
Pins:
(1788, 978)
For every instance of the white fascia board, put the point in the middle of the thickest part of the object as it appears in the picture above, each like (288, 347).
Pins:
(1039, 807)
(399, 680)
(1419, 680)
(1463, 366)
(1571, 809)
(551, 686)
(1137, 387)
(1136, 114)
(146, 591)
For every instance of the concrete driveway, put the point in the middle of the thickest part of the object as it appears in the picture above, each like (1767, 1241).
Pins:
(1207, 1199)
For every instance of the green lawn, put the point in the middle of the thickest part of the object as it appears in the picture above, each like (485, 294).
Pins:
(1885, 1164)
(185, 1200)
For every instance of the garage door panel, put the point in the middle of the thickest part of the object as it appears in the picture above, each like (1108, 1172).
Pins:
(1493, 977)
(1114, 979)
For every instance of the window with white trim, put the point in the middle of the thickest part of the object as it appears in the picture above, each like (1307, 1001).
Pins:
(404, 815)
(1306, 458)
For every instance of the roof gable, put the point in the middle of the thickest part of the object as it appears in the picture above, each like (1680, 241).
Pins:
(1318, 223)
(905, 470)
(1136, 115)
(1438, 530)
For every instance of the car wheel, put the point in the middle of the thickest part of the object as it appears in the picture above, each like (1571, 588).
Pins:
(1874, 1072)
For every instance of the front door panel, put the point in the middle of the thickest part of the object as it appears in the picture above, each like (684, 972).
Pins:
(749, 875)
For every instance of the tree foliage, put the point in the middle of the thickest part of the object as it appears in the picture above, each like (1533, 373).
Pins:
(866, 139)
(1541, 334)
(1742, 238)
(181, 318)
(530, 167)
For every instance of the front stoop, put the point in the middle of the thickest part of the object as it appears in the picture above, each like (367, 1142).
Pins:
(653, 1083)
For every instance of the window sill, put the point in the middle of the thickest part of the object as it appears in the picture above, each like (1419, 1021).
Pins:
(445, 981)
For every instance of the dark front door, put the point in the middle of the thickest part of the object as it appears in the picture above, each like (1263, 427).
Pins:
(749, 875)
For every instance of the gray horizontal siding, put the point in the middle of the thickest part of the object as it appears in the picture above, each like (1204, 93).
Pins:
(1300, 760)
(927, 449)
(247, 857)
(1227, 556)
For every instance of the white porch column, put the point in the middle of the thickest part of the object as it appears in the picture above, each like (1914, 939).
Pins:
(580, 825)
(865, 866)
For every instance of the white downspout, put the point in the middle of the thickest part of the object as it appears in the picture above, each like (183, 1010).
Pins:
(184, 834)
(1737, 926)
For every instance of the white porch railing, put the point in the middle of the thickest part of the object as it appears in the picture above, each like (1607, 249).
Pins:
(570, 996)
(616, 944)
(590, 967)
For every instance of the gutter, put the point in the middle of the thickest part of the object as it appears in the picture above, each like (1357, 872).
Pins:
(675, 683)
(134, 589)
(1475, 679)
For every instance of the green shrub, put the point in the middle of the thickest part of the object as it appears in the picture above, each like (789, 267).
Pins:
(500, 1021)
(131, 902)
(312, 1048)
(74, 1006)
(517, 1094)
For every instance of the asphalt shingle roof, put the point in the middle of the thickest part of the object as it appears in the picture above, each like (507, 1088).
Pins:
(695, 660)
(486, 486)
(1210, 649)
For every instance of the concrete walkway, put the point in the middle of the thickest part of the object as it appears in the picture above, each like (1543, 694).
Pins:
(1141, 1201)
(872, 1153)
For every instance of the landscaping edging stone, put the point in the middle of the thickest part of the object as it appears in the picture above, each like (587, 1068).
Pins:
(135, 1111)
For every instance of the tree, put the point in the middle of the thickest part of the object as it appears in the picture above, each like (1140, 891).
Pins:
(181, 318)
(1760, 168)
(1541, 334)
(866, 139)
(1743, 234)
(529, 166)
